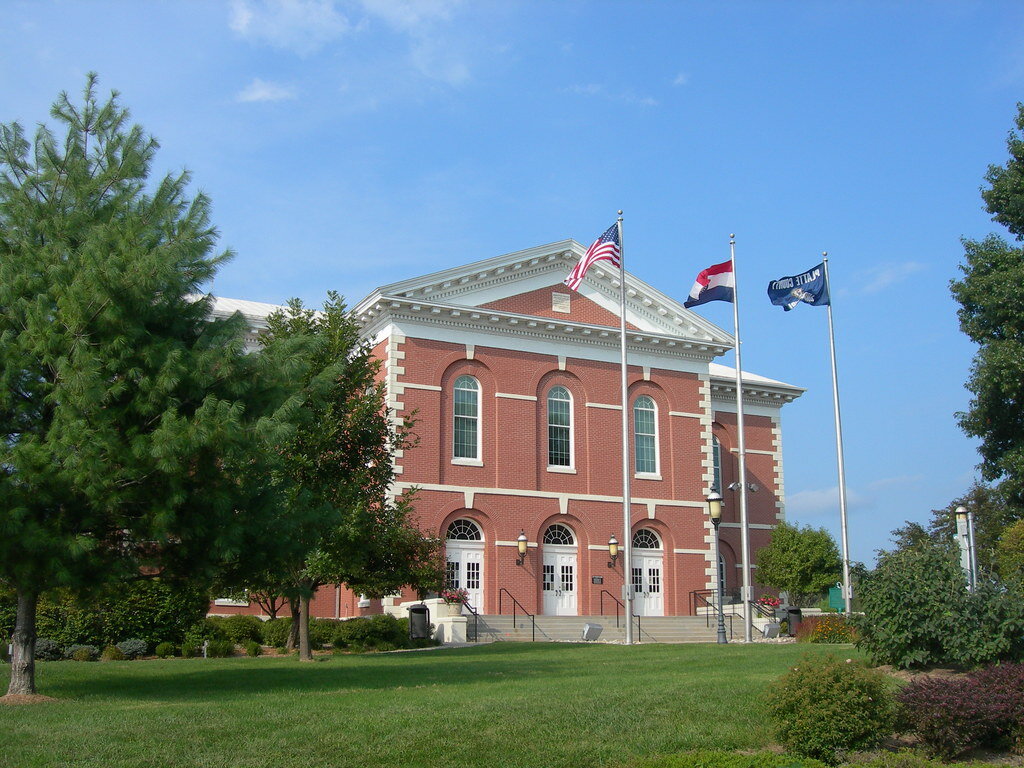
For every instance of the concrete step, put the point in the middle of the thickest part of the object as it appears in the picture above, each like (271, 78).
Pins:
(652, 629)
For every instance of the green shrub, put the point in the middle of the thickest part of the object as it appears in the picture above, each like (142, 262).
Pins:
(252, 648)
(716, 759)
(5, 657)
(322, 631)
(953, 715)
(113, 653)
(370, 632)
(918, 612)
(82, 652)
(209, 628)
(823, 708)
(220, 649)
(133, 647)
(151, 610)
(165, 650)
(241, 628)
(48, 650)
(275, 632)
(190, 650)
(827, 628)
(8, 613)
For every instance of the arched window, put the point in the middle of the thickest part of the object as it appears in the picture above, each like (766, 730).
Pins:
(716, 459)
(645, 538)
(559, 427)
(464, 530)
(559, 534)
(466, 444)
(645, 436)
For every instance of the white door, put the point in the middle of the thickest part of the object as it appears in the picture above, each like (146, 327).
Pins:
(647, 584)
(465, 570)
(559, 580)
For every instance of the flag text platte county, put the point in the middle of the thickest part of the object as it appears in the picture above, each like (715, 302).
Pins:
(813, 287)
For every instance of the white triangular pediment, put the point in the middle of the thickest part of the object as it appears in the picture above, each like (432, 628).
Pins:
(499, 278)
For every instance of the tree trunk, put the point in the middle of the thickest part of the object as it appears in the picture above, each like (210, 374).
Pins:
(293, 630)
(23, 659)
(305, 653)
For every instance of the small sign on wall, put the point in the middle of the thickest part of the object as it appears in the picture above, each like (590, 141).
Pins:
(597, 579)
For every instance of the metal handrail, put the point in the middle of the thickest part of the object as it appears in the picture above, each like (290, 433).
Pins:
(618, 604)
(762, 611)
(476, 623)
(698, 595)
(515, 604)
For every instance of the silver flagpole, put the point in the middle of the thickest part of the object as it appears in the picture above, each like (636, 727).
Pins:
(847, 594)
(744, 525)
(627, 553)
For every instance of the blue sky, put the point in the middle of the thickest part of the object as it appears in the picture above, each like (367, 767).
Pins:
(354, 143)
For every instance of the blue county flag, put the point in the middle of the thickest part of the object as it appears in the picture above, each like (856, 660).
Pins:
(716, 283)
(605, 247)
(809, 287)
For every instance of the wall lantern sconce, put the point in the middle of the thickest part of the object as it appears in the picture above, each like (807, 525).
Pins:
(613, 550)
(521, 542)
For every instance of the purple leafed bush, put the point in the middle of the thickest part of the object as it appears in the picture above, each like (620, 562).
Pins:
(954, 715)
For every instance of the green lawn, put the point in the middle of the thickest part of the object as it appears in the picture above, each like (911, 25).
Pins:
(507, 704)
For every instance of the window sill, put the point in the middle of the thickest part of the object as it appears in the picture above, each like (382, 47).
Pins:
(561, 470)
(467, 462)
(647, 476)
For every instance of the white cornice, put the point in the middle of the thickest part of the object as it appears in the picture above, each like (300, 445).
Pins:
(484, 281)
(391, 309)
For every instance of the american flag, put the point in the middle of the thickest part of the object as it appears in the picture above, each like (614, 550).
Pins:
(605, 247)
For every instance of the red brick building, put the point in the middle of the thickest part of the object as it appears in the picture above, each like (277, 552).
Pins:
(515, 381)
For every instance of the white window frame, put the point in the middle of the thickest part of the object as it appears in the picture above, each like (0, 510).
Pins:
(476, 459)
(656, 474)
(571, 466)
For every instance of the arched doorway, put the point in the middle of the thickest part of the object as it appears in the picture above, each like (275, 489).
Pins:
(464, 555)
(648, 561)
(559, 574)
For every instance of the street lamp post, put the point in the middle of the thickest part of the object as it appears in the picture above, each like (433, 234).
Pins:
(715, 511)
(968, 553)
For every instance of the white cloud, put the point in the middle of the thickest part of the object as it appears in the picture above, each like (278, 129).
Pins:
(681, 79)
(411, 15)
(301, 26)
(880, 278)
(819, 501)
(625, 97)
(262, 90)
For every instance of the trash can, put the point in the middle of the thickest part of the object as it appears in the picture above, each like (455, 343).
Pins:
(795, 615)
(419, 622)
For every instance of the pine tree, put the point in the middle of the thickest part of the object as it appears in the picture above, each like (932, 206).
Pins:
(129, 418)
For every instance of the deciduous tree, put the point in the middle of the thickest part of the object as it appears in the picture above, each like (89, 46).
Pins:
(801, 561)
(991, 314)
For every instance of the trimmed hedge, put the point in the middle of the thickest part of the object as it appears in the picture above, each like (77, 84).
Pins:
(82, 652)
(165, 650)
(241, 628)
(275, 632)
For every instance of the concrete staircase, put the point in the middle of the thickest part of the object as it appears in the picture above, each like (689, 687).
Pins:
(653, 629)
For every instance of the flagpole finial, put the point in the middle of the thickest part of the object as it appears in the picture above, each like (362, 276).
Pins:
(620, 214)
(732, 239)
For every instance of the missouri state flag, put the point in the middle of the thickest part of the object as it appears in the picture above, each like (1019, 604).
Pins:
(716, 283)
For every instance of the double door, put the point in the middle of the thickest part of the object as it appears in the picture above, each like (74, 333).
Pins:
(648, 598)
(559, 580)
